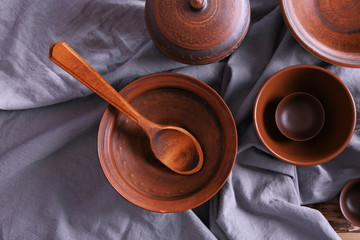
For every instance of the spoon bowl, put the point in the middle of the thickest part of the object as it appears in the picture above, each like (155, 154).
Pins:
(300, 116)
(175, 147)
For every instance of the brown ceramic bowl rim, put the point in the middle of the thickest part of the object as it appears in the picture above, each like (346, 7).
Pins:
(309, 46)
(199, 197)
(273, 78)
(356, 222)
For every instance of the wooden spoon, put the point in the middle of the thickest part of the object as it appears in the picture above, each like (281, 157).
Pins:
(173, 146)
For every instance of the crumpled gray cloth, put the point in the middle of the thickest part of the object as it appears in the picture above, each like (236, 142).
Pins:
(51, 182)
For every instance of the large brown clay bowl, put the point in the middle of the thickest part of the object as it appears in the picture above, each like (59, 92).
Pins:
(350, 201)
(336, 100)
(126, 157)
(329, 29)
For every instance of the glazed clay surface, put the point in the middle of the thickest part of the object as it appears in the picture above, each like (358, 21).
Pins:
(299, 116)
(330, 29)
(350, 201)
(339, 108)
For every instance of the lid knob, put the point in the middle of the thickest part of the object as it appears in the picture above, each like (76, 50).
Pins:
(198, 4)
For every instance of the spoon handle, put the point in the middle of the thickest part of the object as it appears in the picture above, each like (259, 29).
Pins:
(65, 57)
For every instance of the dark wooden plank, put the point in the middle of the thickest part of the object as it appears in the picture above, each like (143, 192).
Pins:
(331, 211)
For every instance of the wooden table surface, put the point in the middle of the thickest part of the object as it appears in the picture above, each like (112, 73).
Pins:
(331, 210)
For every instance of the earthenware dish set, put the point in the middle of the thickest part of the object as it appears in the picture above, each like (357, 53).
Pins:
(205, 31)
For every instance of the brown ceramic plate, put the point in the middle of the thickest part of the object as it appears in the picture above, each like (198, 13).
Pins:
(329, 29)
(126, 158)
(339, 108)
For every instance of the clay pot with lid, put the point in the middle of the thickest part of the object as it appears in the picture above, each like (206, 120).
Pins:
(197, 31)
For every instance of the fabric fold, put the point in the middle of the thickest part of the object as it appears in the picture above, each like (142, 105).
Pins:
(51, 183)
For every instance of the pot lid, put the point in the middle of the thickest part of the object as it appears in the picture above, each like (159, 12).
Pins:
(197, 31)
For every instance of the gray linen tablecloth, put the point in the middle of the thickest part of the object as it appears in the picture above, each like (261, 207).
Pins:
(51, 182)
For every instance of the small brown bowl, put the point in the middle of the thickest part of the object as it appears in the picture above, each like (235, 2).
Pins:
(350, 201)
(300, 116)
(338, 105)
(329, 29)
(126, 157)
